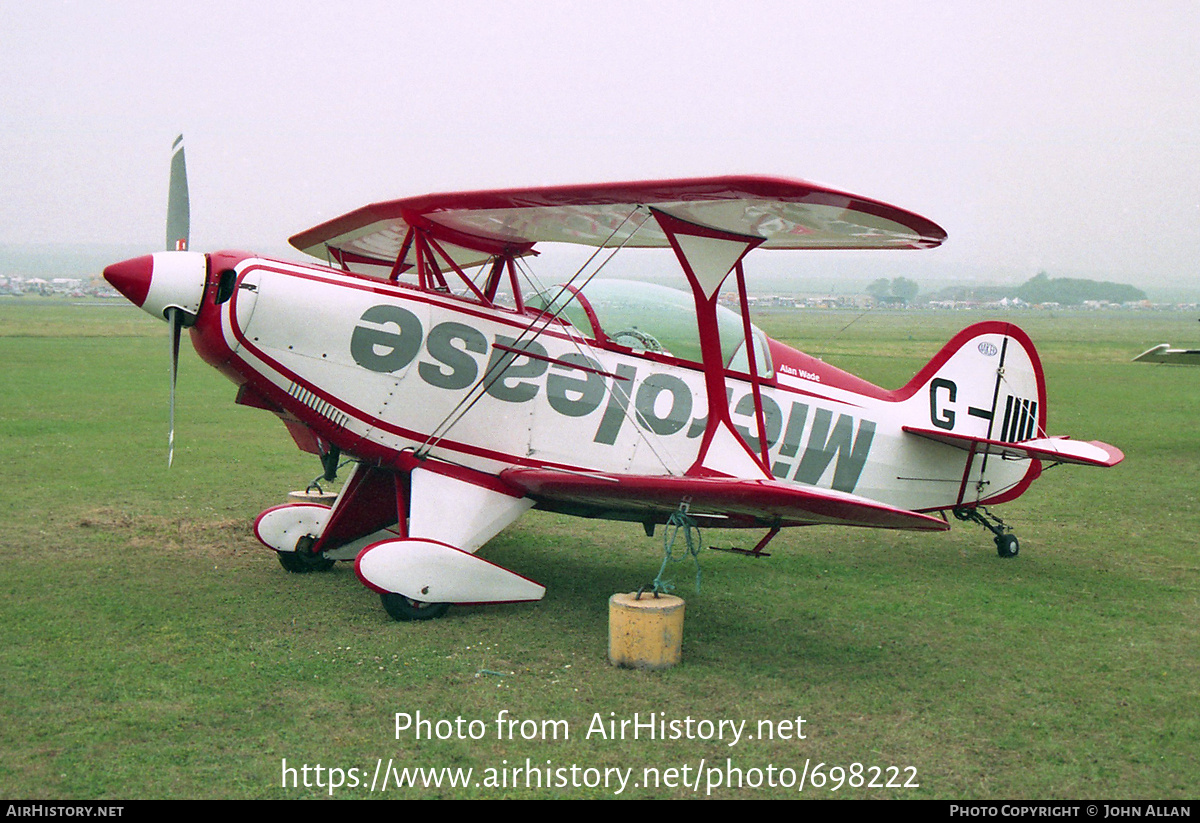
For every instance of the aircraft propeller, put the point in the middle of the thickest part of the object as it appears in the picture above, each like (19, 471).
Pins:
(176, 328)
(168, 284)
(179, 219)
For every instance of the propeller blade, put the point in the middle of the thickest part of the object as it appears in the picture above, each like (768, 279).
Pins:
(179, 215)
(173, 318)
(179, 226)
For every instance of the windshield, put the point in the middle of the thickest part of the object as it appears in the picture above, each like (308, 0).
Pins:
(649, 317)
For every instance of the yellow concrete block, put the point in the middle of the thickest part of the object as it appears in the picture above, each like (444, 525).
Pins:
(645, 633)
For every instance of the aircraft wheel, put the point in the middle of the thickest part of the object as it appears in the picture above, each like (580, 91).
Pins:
(404, 608)
(303, 561)
(1006, 545)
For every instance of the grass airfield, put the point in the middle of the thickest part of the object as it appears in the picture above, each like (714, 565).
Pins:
(153, 649)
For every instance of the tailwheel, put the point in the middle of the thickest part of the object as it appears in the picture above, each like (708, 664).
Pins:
(303, 560)
(1007, 546)
(404, 608)
(1006, 541)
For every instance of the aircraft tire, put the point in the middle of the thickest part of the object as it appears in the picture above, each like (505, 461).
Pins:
(1007, 545)
(402, 608)
(303, 561)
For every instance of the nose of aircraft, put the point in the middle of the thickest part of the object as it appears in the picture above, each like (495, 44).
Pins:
(132, 278)
(161, 281)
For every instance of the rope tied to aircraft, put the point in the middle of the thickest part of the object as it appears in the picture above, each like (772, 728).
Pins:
(678, 520)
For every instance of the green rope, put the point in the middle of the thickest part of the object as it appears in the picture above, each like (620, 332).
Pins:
(691, 535)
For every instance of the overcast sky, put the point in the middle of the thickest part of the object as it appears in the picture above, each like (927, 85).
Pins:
(1040, 135)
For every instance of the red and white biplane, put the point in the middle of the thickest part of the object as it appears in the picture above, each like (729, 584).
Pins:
(466, 394)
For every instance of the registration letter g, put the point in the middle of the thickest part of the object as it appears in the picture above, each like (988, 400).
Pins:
(942, 418)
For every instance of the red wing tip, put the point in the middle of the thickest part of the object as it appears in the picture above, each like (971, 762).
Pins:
(1115, 455)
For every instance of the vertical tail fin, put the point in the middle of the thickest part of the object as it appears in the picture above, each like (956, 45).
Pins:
(999, 358)
(986, 383)
(985, 387)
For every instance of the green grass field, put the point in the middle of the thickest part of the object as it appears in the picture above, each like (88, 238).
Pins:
(153, 649)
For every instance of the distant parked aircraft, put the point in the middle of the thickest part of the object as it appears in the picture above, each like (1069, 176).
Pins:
(1163, 353)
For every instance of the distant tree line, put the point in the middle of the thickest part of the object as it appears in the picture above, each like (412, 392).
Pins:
(1068, 290)
(900, 291)
(1042, 288)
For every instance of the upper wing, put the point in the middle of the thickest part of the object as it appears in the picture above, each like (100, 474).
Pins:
(1163, 353)
(738, 502)
(789, 214)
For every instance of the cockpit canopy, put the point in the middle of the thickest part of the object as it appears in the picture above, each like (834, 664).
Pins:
(652, 318)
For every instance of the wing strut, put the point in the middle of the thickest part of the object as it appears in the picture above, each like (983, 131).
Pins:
(427, 251)
(752, 359)
(707, 256)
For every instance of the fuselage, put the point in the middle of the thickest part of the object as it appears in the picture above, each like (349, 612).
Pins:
(381, 370)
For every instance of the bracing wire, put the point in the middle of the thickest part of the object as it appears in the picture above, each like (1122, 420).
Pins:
(501, 364)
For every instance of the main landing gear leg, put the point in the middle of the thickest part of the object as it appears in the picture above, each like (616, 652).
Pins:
(1006, 541)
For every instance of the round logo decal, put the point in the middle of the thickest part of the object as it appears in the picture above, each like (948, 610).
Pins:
(987, 349)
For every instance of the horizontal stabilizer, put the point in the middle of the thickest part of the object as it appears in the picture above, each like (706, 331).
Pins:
(1051, 449)
(740, 501)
